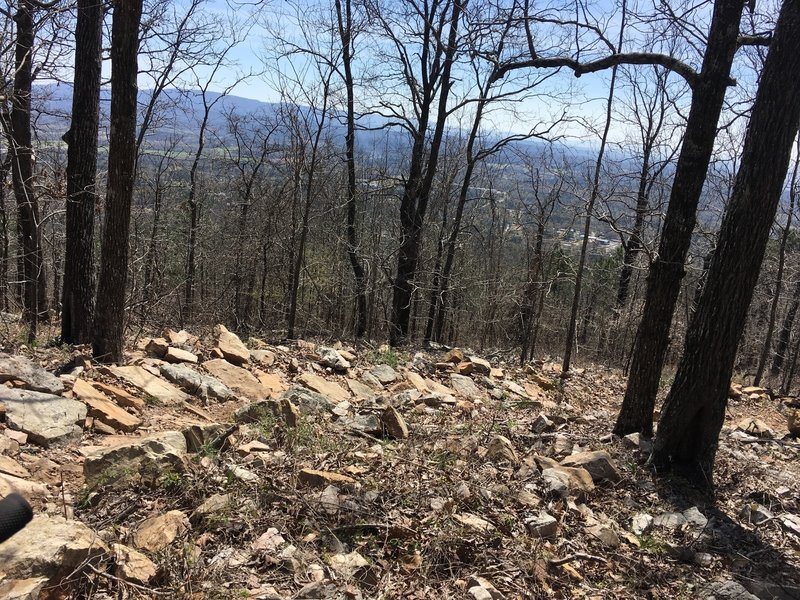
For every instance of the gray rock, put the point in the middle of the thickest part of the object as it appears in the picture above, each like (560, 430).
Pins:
(755, 514)
(48, 420)
(308, 401)
(34, 376)
(384, 373)
(198, 384)
(542, 424)
(464, 386)
(542, 525)
(695, 518)
(724, 590)
(641, 523)
(331, 358)
(149, 456)
(670, 520)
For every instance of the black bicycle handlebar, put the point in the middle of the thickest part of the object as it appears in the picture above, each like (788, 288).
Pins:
(15, 513)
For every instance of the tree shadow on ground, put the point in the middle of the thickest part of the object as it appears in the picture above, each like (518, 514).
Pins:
(767, 570)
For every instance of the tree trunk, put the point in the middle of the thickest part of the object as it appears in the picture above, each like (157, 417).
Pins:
(344, 15)
(773, 310)
(77, 300)
(632, 248)
(34, 297)
(5, 167)
(576, 298)
(416, 192)
(109, 325)
(666, 272)
(695, 407)
(786, 331)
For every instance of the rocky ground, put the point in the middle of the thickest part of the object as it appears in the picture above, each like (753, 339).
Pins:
(210, 468)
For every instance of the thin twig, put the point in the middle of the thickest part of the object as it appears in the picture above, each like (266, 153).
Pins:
(557, 562)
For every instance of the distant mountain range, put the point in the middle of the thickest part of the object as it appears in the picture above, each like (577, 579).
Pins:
(180, 112)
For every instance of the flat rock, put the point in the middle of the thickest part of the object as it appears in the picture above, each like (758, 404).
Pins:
(384, 373)
(542, 525)
(464, 386)
(345, 564)
(120, 396)
(132, 565)
(197, 384)
(157, 453)
(360, 390)
(35, 377)
(480, 365)
(156, 533)
(567, 481)
(264, 357)
(417, 381)
(271, 381)
(331, 389)
(724, 590)
(597, 462)
(322, 479)
(150, 384)
(474, 522)
(177, 355)
(22, 589)
(308, 401)
(156, 346)
(240, 380)
(47, 420)
(231, 346)
(103, 409)
(49, 547)
(30, 490)
(11, 467)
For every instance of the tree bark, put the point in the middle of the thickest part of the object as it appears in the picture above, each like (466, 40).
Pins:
(77, 300)
(667, 270)
(416, 192)
(34, 297)
(773, 310)
(786, 331)
(109, 325)
(695, 407)
(344, 13)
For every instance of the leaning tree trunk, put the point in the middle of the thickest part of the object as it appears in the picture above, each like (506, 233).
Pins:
(666, 272)
(695, 407)
(773, 309)
(109, 325)
(34, 297)
(77, 300)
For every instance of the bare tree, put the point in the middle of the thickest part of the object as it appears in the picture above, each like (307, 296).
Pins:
(694, 410)
(77, 300)
(773, 311)
(666, 271)
(109, 324)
